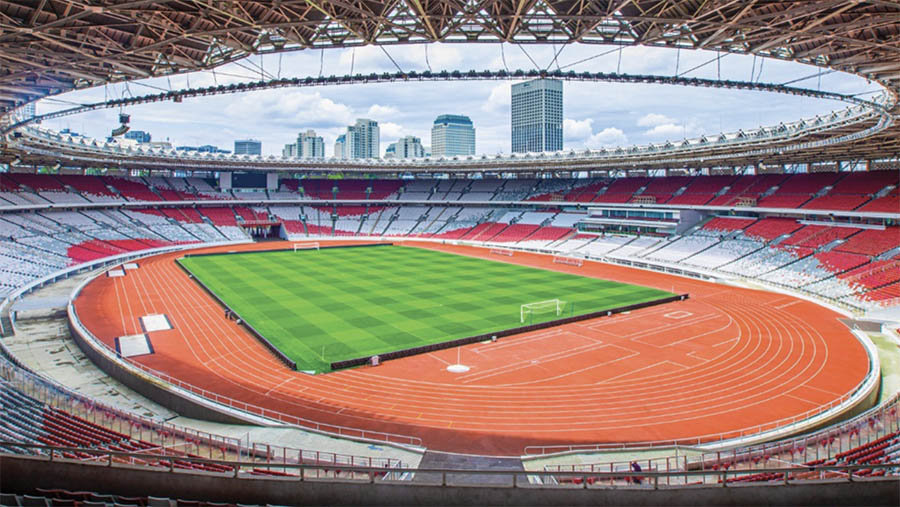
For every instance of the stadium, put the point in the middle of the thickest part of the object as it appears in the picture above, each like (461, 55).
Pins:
(714, 320)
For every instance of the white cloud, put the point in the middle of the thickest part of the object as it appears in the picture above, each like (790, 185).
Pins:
(608, 137)
(581, 132)
(378, 111)
(575, 130)
(444, 56)
(293, 106)
(667, 130)
(390, 131)
(499, 98)
(653, 119)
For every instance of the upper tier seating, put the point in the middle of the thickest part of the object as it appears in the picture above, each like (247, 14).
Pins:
(515, 190)
(748, 187)
(662, 189)
(798, 189)
(132, 189)
(622, 189)
(38, 182)
(866, 182)
(91, 187)
(837, 202)
(702, 190)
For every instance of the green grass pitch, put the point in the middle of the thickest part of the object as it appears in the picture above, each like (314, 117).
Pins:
(340, 303)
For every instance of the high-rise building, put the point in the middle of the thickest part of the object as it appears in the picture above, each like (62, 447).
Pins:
(537, 116)
(340, 146)
(363, 140)
(139, 136)
(452, 135)
(407, 147)
(289, 150)
(391, 151)
(247, 147)
(309, 145)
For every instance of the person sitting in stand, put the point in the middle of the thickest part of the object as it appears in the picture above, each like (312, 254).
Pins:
(635, 467)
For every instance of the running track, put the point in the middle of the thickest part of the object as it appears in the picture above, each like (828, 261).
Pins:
(725, 360)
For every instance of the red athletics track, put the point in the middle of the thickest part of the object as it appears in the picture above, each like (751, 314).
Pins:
(725, 360)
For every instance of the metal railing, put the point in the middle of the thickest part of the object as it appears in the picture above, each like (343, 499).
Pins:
(644, 479)
(167, 435)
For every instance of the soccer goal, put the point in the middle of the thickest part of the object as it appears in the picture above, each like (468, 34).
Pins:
(571, 261)
(529, 310)
(310, 245)
(502, 251)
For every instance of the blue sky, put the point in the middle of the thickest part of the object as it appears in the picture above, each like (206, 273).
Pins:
(596, 114)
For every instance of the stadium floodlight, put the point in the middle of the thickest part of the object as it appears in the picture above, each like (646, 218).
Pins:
(550, 305)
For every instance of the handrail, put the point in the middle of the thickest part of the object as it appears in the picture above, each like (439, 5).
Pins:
(543, 479)
(46, 390)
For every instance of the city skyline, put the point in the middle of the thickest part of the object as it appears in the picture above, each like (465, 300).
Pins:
(596, 115)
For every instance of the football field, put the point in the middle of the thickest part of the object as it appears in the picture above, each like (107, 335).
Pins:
(322, 306)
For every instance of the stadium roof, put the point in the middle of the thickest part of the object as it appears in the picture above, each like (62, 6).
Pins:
(50, 46)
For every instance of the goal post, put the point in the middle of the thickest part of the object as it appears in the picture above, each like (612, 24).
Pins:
(309, 245)
(502, 251)
(529, 310)
(571, 261)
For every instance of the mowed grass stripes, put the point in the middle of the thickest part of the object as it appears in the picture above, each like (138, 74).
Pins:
(340, 303)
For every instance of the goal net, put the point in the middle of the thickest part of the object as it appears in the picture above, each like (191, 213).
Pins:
(571, 261)
(502, 251)
(311, 245)
(528, 311)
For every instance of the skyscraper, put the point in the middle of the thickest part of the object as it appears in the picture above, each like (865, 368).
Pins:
(363, 140)
(406, 147)
(247, 147)
(340, 146)
(452, 135)
(308, 145)
(537, 116)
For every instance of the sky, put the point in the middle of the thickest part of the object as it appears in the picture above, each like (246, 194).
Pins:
(597, 115)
